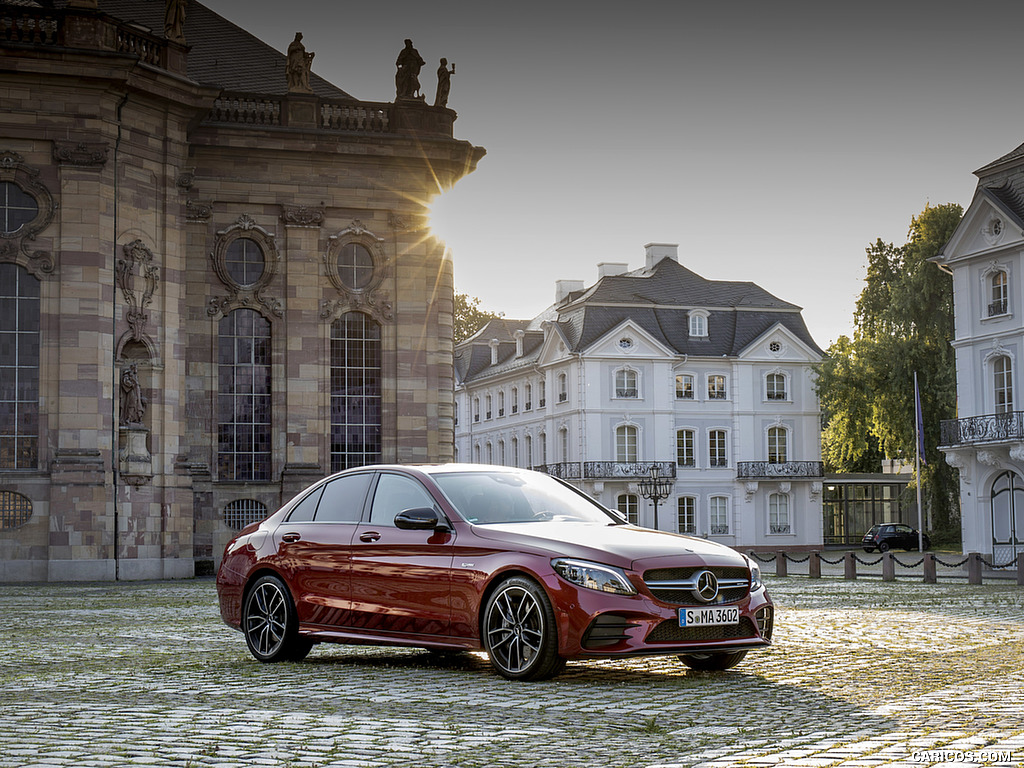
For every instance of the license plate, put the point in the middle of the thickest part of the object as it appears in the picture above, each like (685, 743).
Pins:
(708, 617)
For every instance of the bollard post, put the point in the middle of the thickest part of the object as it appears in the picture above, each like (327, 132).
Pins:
(888, 567)
(780, 564)
(849, 566)
(974, 568)
(814, 565)
(1020, 569)
(929, 568)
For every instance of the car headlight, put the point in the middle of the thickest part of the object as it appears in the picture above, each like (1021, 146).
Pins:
(603, 578)
(755, 575)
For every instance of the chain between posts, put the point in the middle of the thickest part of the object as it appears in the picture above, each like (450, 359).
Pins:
(851, 558)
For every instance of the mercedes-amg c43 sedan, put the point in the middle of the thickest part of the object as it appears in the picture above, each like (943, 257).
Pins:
(471, 557)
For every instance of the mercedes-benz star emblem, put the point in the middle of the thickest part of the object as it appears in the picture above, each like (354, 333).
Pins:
(707, 587)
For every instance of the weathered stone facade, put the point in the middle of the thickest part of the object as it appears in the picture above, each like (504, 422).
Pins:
(142, 175)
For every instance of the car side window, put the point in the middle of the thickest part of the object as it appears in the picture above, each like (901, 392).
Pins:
(303, 511)
(396, 493)
(342, 499)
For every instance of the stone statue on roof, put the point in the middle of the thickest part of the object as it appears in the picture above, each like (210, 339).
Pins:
(299, 65)
(407, 78)
(174, 20)
(444, 83)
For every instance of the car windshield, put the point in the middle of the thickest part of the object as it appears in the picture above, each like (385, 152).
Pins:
(487, 498)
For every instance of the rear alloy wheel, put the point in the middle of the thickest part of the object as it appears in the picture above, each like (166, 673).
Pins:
(519, 631)
(270, 625)
(712, 662)
(883, 547)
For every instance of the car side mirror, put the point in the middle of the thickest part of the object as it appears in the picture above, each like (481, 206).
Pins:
(420, 519)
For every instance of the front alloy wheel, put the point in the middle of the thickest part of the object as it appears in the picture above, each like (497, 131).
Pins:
(270, 625)
(519, 631)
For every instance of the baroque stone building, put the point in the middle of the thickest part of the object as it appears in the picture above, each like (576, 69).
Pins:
(985, 443)
(216, 284)
(707, 383)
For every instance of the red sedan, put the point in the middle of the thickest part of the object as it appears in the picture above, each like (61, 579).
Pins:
(470, 557)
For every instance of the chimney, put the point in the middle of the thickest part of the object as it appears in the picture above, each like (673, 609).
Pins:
(519, 334)
(658, 251)
(564, 287)
(493, 344)
(611, 268)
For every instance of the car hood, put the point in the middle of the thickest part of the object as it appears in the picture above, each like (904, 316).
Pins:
(625, 546)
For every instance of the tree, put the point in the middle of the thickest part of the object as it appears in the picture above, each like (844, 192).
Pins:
(903, 323)
(469, 318)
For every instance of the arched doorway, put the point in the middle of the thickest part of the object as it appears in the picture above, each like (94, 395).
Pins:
(1007, 506)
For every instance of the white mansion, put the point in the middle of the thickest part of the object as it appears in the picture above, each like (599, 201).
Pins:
(986, 443)
(707, 382)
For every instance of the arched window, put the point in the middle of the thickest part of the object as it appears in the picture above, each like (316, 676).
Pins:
(356, 391)
(515, 451)
(775, 386)
(1000, 296)
(243, 512)
(515, 400)
(718, 515)
(563, 388)
(629, 507)
(684, 387)
(685, 454)
(686, 514)
(19, 368)
(1007, 509)
(716, 387)
(778, 449)
(626, 444)
(243, 371)
(778, 513)
(563, 443)
(626, 383)
(717, 455)
(501, 403)
(1002, 368)
(487, 408)
(528, 404)
(529, 451)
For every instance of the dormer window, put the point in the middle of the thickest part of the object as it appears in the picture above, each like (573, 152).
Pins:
(698, 324)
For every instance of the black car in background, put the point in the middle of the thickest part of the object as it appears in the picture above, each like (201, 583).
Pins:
(888, 536)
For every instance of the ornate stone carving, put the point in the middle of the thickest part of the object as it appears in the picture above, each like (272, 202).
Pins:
(815, 490)
(196, 211)
(364, 296)
(250, 295)
(749, 489)
(960, 462)
(302, 216)
(16, 246)
(136, 252)
(133, 402)
(82, 153)
(186, 179)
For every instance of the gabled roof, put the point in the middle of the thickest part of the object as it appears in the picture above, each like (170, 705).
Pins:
(659, 300)
(221, 54)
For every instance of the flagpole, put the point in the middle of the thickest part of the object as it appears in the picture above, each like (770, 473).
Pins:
(918, 416)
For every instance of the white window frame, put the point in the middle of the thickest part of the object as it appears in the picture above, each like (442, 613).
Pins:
(780, 519)
(773, 435)
(718, 515)
(713, 394)
(680, 380)
(692, 433)
(699, 323)
(725, 448)
(1002, 384)
(621, 387)
(686, 519)
(772, 379)
(628, 505)
(627, 443)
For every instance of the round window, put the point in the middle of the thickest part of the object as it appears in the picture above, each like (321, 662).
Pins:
(17, 208)
(244, 261)
(355, 266)
(775, 346)
(626, 343)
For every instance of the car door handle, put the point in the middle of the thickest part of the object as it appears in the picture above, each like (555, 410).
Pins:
(369, 536)
(290, 537)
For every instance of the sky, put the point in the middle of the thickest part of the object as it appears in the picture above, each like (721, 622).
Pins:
(773, 142)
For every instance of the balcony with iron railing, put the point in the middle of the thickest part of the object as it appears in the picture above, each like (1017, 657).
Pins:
(977, 430)
(765, 470)
(607, 470)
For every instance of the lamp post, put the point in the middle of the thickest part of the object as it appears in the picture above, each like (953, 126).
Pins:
(655, 487)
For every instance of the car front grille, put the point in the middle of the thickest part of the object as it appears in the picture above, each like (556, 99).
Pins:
(670, 585)
(670, 632)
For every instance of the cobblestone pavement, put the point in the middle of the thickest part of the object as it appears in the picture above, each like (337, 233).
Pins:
(862, 673)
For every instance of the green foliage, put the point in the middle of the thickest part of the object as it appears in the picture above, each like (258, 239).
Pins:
(903, 324)
(469, 318)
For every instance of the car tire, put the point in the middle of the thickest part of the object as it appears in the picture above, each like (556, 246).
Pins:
(712, 662)
(270, 625)
(519, 632)
(883, 547)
